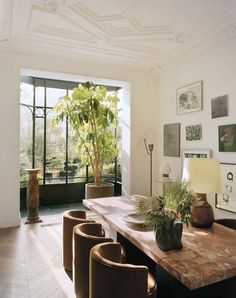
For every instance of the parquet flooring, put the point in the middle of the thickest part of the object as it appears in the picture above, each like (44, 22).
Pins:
(31, 261)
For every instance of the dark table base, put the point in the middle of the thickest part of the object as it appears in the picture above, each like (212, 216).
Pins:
(168, 286)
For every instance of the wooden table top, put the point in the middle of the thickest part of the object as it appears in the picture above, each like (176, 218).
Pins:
(207, 256)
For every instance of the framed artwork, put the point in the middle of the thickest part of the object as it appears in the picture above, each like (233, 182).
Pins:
(226, 199)
(195, 153)
(193, 132)
(189, 98)
(172, 139)
(219, 106)
(227, 138)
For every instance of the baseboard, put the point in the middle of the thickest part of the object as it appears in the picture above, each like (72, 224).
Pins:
(9, 223)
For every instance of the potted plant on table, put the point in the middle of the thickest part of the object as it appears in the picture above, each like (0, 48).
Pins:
(168, 214)
(92, 113)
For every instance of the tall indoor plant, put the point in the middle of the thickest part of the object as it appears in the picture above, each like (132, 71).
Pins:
(167, 214)
(92, 113)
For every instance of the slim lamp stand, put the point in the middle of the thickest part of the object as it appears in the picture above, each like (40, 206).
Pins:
(149, 149)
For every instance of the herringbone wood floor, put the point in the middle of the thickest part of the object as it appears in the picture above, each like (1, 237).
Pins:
(31, 261)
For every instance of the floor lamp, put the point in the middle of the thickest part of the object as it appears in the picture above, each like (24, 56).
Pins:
(149, 149)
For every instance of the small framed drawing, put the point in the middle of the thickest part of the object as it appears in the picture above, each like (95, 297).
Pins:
(193, 132)
(195, 153)
(226, 199)
(227, 138)
(189, 98)
(219, 106)
(172, 139)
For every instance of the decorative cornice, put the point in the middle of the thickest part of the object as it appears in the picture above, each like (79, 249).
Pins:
(50, 5)
(61, 34)
(200, 48)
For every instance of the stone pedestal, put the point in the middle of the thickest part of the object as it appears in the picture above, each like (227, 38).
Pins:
(32, 200)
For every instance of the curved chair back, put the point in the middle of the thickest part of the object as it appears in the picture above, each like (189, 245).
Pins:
(70, 219)
(109, 278)
(85, 236)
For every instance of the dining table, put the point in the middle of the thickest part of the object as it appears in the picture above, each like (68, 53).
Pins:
(204, 267)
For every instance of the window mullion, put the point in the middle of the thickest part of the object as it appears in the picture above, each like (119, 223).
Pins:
(67, 140)
(44, 134)
(33, 127)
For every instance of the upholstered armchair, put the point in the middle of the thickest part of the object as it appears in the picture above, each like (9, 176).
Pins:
(110, 278)
(85, 236)
(70, 219)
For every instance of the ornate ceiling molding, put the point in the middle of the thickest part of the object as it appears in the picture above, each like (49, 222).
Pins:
(121, 33)
(50, 5)
(5, 19)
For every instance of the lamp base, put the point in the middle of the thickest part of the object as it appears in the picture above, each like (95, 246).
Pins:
(202, 216)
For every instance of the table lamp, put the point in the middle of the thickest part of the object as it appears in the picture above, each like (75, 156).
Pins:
(203, 175)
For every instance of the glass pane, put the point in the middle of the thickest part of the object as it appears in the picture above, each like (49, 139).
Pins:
(55, 151)
(39, 96)
(109, 170)
(77, 180)
(56, 84)
(26, 93)
(39, 141)
(70, 92)
(53, 95)
(75, 169)
(25, 144)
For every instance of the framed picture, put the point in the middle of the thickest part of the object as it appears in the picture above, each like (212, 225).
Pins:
(227, 138)
(219, 106)
(195, 153)
(189, 98)
(226, 199)
(172, 139)
(193, 132)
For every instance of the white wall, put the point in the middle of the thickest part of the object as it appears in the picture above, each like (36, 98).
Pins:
(143, 111)
(9, 149)
(217, 70)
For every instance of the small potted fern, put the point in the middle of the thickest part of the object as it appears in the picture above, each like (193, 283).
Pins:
(168, 214)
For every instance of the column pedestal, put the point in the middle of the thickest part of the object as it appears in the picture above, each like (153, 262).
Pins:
(32, 199)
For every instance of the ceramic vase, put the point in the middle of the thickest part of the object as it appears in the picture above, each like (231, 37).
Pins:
(169, 238)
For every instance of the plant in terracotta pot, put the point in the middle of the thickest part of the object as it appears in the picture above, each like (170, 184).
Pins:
(92, 113)
(168, 214)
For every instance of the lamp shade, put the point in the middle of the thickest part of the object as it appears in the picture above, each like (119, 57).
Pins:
(203, 174)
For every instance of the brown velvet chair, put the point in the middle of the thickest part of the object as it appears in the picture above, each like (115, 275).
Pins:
(109, 278)
(227, 222)
(85, 236)
(70, 219)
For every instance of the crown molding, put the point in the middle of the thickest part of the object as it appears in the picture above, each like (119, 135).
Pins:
(200, 48)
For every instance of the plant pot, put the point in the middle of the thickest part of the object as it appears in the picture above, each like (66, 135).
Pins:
(104, 190)
(169, 238)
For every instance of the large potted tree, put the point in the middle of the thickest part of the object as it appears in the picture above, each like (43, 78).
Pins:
(93, 115)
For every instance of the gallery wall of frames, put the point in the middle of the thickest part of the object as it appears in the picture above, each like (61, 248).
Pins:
(189, 99)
